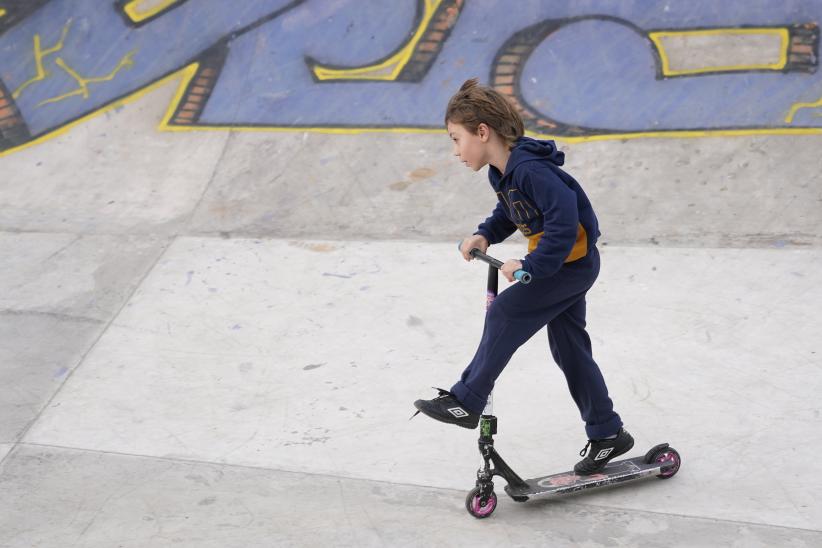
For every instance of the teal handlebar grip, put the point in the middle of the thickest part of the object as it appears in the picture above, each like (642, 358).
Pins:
(522, 276)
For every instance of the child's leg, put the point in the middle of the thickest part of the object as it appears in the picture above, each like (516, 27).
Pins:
(571, 348)
(513, 318)
(501, 337)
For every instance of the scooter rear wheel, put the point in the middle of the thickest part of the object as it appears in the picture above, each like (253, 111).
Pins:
(478, 507)
(668, 454)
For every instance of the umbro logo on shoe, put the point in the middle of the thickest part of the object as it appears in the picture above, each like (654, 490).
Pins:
(458, 412)
(604, 453)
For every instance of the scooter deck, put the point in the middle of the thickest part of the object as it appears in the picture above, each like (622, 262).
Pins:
(569, 482)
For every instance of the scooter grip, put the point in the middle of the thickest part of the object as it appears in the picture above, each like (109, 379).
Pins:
(522, 276)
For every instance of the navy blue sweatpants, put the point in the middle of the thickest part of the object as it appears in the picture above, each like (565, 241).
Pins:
(522, 310)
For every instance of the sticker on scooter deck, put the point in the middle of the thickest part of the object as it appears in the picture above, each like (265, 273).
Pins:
(569, 482)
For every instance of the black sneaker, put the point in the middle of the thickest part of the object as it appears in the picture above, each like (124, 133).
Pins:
(446, 408)
(602, 451)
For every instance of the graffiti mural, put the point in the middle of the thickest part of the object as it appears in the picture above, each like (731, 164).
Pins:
(575, 70)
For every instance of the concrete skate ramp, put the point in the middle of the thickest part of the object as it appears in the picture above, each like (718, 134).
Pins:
(229, 231)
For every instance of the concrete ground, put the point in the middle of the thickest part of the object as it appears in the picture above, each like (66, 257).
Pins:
(215, 339)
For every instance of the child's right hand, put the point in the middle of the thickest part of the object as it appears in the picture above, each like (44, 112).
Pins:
(473, 242)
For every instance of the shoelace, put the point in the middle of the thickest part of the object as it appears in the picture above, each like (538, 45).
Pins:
(584, 449)
(442, 394)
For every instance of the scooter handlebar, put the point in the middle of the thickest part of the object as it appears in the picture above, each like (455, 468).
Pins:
(520, 275)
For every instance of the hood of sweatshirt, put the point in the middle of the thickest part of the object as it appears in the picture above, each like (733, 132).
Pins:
(527, 149)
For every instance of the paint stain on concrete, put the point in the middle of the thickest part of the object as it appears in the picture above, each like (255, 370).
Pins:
(419, 174)
(413, 321)
(313, 246)
(207, 501)
(399, 185)
(313, 366)
(422, 173)
(246, 367)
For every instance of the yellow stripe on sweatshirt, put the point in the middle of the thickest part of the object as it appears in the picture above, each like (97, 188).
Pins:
(579, 250)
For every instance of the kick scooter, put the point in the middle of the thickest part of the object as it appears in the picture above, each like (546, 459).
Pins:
(662, 460)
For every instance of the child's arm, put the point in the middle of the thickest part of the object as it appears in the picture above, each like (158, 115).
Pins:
(558, 205)
(497, 227)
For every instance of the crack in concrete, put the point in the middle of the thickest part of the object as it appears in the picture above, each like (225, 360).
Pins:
(55, 315)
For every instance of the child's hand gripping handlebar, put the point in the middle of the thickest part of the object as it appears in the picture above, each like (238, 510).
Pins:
(519, 275)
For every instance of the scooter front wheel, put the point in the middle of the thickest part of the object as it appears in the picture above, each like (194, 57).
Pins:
(480, 506)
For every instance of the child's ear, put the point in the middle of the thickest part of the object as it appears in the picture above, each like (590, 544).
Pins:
(484, 132)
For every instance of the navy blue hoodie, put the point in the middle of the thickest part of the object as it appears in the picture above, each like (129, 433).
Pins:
(546, 204)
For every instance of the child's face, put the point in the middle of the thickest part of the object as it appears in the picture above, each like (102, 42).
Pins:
(469, 147)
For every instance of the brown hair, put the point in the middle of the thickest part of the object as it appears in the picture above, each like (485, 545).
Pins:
(474, 104)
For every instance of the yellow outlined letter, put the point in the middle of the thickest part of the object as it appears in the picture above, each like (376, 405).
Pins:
(140, 10)
(797, 106)
(391, 67)
(779, 63)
